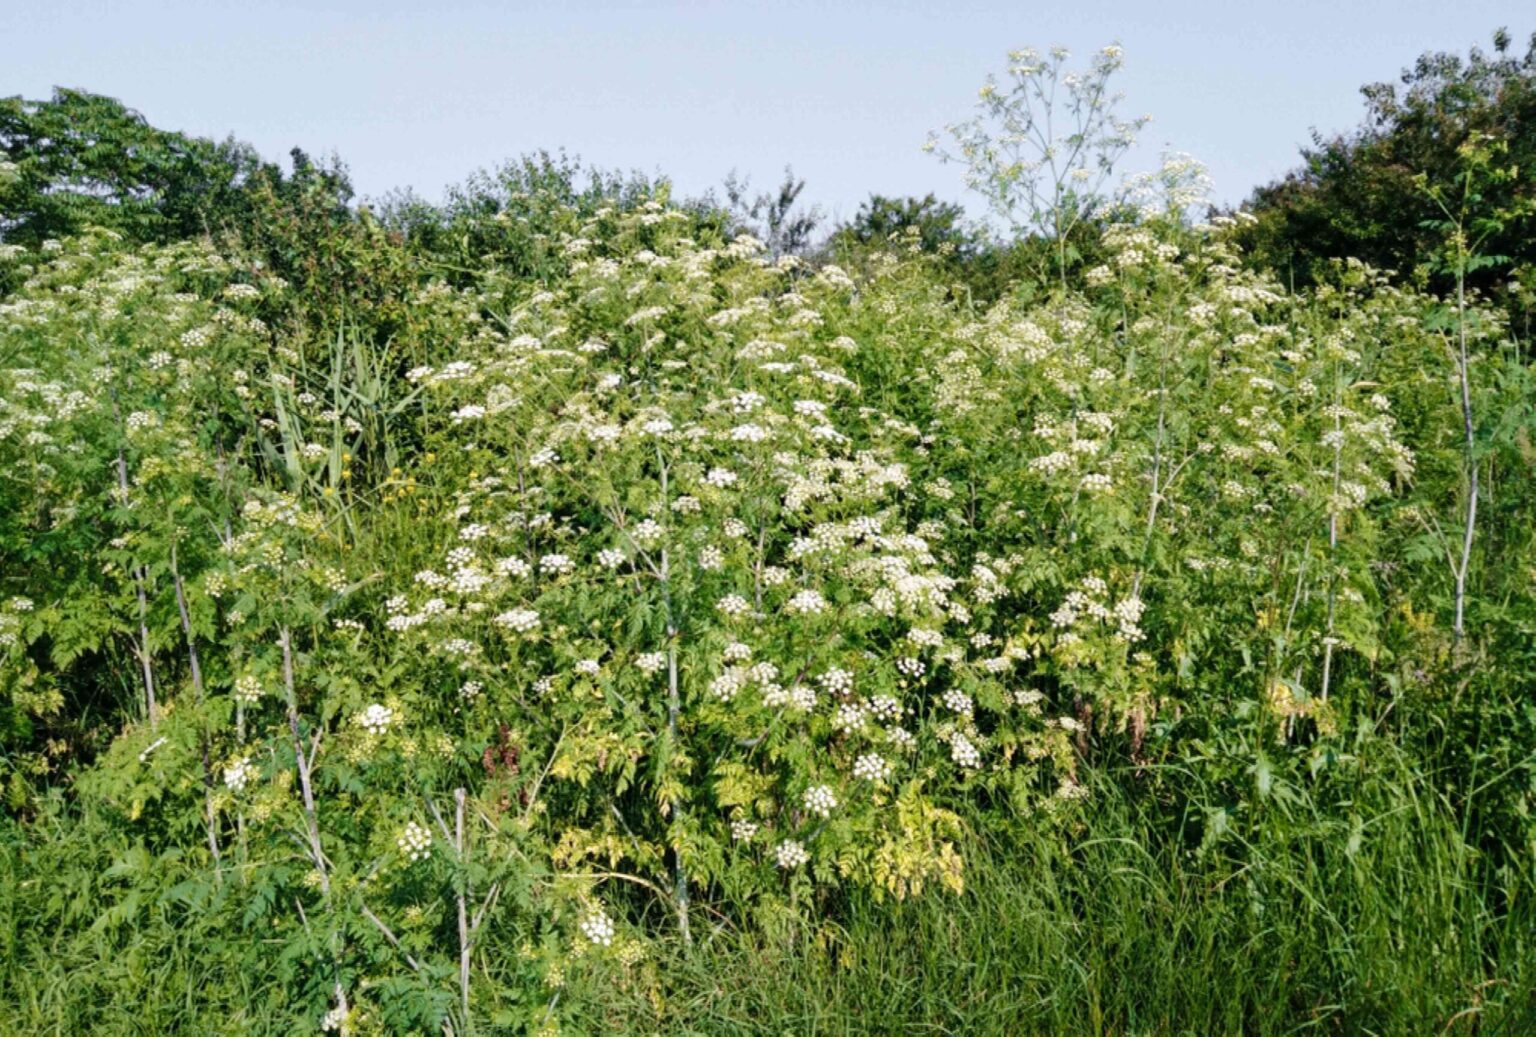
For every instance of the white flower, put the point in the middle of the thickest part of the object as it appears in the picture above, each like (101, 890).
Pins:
(925, 638)
(802, 697)
(247, 689)
(513, 566)
(837, 681)
(598, 927)
(589, 667)
(239, 774)
(460, 647)
(748, 433)
(871, 767)
(415, 841)
(610, 558)
(725, 686)
(720, 478)
(733, 605)
(807, 603)
(376, 719)
(556, 564)
(819, 800)
(647, 532)
(958, 701)
(850, 716)
(651, 662)
(790, 854)
(742, 829)
(519, 620)
(963, 752)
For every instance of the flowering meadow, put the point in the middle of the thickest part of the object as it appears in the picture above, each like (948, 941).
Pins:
(567, 613)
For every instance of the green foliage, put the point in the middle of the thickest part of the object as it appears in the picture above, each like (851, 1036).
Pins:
(1357, 194)
(81, 160)
(562, 609)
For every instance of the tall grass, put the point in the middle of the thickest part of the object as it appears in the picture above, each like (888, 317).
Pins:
(1375, 919)
(1347, 905)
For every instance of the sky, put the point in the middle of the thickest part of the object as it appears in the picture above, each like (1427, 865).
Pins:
(414, 93)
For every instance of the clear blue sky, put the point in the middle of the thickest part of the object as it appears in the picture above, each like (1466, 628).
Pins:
(411, 92)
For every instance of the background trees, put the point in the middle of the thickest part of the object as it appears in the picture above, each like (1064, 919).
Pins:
(1358, 193)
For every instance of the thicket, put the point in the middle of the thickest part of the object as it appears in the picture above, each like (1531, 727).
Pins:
(559, 610)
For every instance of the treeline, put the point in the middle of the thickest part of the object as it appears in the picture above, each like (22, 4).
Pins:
(1376, 193)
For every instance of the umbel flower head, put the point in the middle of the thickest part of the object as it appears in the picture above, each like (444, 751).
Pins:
(415, 842)
(790, 854)
(376, 719)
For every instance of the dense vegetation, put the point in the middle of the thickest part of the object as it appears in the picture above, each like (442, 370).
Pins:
(568, 608)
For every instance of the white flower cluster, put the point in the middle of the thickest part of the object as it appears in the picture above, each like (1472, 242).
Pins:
(871, 767)
(1088, 602)
(963, 752)
(598, 927)
(335, 1021)
(807, 603)
(819, 800)
(376, 719)
(415, 842)
(958, 701)
(247, 689)
(790, 854)
(733, 605)
(239, 774)
(521, 621)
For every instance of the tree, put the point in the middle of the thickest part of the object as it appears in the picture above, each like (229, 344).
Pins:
(82, 159)
(775, 217)
(935, 225)
(1358, 195)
